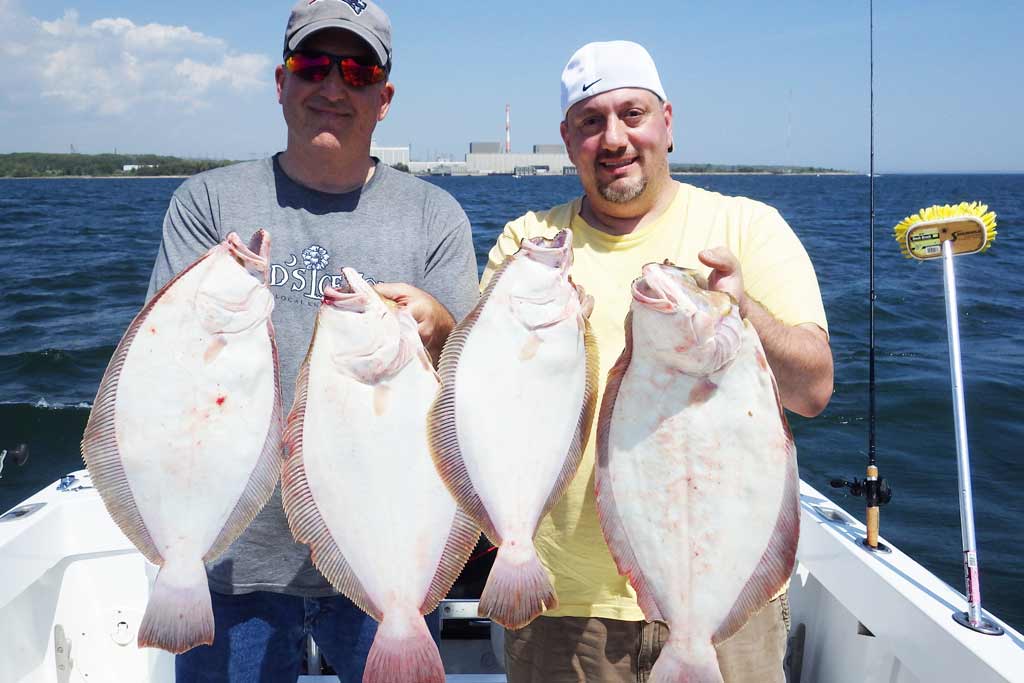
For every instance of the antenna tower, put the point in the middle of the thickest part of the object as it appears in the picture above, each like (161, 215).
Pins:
(508, 129)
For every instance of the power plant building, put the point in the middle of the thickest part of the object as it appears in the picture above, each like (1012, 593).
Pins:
(390, 155)
(488, 158)
(545, 160)
(485, 148)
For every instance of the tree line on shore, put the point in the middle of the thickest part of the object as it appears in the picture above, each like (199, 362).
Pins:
(38, 165)
(747, 168)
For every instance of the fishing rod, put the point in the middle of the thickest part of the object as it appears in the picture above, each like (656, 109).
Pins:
(875, 490)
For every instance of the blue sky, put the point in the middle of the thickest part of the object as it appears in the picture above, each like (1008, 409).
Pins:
(750, 82)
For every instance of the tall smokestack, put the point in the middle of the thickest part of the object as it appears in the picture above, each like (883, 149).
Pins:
(508, 129)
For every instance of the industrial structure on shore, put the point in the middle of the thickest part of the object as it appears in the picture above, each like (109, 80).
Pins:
(486, 158)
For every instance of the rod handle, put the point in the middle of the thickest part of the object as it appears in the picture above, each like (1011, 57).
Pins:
(871, 489)
(872, 517)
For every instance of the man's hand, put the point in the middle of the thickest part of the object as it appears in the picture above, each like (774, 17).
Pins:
(726, 274)
(434, 322)
(800, 356)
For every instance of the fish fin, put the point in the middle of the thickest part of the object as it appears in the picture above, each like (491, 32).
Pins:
(611, 391)
(264, 476)
(518, 589)
(99, 442)
(607, 510)
(403, 651)
(304, 519)
(461, 540)
(179, 614)
(674, 665)
(442, 431)
(777, 562)
(583, 424)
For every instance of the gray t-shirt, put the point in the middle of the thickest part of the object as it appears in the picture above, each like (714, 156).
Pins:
(396, 228)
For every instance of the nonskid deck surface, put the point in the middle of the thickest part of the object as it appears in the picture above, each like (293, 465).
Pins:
(857, 616)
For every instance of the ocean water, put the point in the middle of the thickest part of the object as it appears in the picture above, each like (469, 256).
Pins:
(76, 254)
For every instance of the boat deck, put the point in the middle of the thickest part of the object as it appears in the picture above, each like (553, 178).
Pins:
(74, 590)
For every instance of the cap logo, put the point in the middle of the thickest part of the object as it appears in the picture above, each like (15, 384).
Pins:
(357, 5)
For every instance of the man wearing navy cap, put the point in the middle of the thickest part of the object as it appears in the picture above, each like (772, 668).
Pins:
(326, 203)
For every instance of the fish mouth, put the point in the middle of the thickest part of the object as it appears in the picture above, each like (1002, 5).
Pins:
(555, 252)
(254, 257)
(353, 293)
(653, 289)
(667, 288)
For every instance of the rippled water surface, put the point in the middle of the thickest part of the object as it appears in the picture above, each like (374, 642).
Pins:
(76, 254)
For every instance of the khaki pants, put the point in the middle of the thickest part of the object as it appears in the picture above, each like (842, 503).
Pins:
(594, 650)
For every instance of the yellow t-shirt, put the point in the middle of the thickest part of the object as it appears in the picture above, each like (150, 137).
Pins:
(776, 272)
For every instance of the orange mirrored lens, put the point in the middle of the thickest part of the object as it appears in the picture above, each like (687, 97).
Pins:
(359, 75)
(314, 67)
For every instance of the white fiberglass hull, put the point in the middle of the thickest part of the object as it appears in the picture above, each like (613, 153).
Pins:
(73, 590)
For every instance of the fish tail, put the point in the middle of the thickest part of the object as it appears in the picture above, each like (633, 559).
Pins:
(518, 589)
(179, 615)
(403, 650)
(676, 665)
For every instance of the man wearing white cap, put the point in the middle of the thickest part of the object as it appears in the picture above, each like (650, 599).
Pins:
(326, 204)
(617, 127)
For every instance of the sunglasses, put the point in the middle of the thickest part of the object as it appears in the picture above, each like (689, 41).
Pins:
(314, 67)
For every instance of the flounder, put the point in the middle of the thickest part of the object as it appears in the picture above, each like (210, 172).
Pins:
(697, 485)
(184, 438)
(519, 379)
(359, 486)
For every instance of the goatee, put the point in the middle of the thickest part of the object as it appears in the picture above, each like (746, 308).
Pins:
(624, 192)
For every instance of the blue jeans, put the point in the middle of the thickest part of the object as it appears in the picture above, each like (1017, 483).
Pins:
(260, 638)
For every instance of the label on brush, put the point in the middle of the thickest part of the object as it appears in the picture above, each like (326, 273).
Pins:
(966, 235)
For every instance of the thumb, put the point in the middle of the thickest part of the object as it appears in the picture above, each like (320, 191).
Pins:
(717, 258)
(395, 291)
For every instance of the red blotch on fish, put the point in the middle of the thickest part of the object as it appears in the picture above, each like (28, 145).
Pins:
(702, 391)
(220, 400)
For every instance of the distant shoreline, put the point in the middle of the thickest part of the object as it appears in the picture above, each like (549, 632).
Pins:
(774, 173)
(91, 177)
(428, 175)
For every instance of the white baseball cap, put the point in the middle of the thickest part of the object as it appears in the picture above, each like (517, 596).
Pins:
(600, 67)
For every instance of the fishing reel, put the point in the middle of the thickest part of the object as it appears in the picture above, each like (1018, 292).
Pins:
(18, 454)
(862, 488)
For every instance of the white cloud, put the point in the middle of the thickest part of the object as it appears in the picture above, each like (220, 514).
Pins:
(115, 67)
(239, 72)
(154, 37)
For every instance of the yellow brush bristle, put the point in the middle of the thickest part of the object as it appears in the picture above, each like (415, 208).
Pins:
(934, 213)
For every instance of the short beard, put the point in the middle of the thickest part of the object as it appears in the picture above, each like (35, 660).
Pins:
(624, 195)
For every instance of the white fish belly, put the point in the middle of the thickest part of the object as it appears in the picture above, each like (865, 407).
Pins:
(372, 478)
(699, 490)
(518, 403)
(191, 426)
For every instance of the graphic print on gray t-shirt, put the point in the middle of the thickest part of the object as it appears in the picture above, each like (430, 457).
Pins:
(396, 228)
